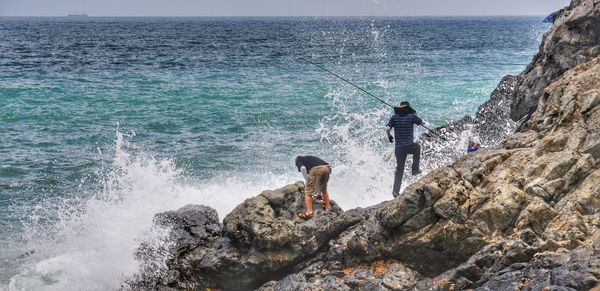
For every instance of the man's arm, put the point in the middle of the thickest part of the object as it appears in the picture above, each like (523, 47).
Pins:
(389, 135)
(305, 174)
(418, 121)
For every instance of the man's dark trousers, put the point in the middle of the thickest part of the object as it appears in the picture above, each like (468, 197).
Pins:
(413, 149)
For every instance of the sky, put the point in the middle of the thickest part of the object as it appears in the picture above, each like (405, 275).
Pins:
(279, 7)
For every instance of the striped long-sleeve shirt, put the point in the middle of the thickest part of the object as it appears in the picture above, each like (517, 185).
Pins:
(403, 128)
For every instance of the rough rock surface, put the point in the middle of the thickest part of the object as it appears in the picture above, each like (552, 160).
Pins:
(260, 239)
(574, 40)
(192, 229)
(379, 275)
(524, 215)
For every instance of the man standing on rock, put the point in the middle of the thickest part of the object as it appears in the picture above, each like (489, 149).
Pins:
(402, 122)
(316, 175)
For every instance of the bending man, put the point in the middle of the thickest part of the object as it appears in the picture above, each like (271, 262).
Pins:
(316, 175)
(402, 122)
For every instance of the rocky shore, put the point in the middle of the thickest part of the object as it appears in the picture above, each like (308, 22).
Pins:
(524, 215)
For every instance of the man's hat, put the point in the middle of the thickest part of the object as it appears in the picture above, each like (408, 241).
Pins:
(404, 109)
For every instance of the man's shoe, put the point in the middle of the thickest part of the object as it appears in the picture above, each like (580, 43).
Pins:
(417, 172)
(305, 215)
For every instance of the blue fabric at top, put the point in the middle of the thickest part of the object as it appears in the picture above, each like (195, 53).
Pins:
(550, 18)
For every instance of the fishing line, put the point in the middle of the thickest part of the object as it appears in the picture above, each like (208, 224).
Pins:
(359, 88)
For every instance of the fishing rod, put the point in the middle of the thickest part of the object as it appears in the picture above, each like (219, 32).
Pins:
(367, 92)
(434, 132)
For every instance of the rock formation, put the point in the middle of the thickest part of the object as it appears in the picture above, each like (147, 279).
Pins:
(574, 40)
(259, 240)
(524, 215)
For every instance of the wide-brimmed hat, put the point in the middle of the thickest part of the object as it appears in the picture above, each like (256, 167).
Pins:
(404, 108)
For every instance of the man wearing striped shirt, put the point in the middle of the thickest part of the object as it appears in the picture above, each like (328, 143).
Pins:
(403, 124)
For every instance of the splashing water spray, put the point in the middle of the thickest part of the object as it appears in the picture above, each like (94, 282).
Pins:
(368, 93)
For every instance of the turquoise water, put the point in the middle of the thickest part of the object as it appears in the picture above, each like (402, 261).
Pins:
(106, 121)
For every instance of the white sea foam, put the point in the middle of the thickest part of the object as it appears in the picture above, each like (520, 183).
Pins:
(92, 245)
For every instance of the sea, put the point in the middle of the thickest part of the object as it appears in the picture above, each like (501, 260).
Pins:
(105, 122)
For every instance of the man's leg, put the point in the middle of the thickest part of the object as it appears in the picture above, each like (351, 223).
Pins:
(309, 206)
(323, 187)
(400, 161)
(416, 155)
(326, 200)
(309, 191)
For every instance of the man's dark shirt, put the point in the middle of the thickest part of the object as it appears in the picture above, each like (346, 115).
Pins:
(309, 162)
(403, 128)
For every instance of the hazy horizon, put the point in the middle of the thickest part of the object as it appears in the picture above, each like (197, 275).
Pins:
(278, 8)
(266, 16)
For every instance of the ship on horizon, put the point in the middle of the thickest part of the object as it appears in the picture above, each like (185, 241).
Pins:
(81, 15)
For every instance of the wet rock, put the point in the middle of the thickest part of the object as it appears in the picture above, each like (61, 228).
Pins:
(189, 232)
(191, 225)
(490, 126)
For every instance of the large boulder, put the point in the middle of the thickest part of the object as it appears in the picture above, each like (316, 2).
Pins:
(260, 240)
(269, 221)
(192, 229)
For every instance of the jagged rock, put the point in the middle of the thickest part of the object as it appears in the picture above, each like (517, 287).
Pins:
(493, 121)
(552, 270)
(262, 239)
(536, 215)
(490, 126)
(506, 254)
(574, 40)
(191, 230)
(562, 186)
